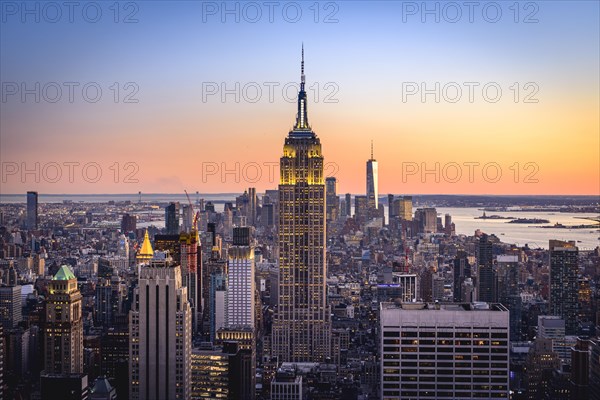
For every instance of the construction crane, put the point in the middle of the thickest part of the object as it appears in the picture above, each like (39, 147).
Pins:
(196, 214)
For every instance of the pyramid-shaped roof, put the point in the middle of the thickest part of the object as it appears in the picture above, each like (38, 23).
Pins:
(64, 274)
(146, 251)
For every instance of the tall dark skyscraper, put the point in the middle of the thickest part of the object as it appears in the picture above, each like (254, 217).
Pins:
(302, 327)
(348, 198)
(391, 210)
(32, 210)
(172, 219)
(252, 205)
(485, 271)
(563, 282)
(462, 270)
(333, 203)
(128, 223)
(372, 183)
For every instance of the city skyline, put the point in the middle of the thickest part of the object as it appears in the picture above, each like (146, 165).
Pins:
(370, 70)
(431, 231)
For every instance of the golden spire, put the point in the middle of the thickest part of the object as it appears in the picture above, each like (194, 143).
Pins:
(146, 252)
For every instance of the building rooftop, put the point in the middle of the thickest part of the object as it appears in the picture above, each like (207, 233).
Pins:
(477, 306)
(64, 274)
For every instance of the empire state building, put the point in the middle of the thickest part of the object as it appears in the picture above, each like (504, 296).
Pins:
(302, 327)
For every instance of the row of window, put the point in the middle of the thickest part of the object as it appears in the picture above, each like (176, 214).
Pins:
(443, 334)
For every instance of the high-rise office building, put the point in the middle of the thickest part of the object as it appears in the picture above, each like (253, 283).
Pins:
(453, 351)
(240, 281)
(32, 210)
(372, 183)
(332, 200)
(580, 369)
(191, 264)
(348, 200)
(63, 330)
(302, 326)
(114, 347)
(361, 208)
(405, 208)
(252, 206)
(462, 270)
(508, 291)
(564, 268)
(160, 323)
(541, 361)
(486, 276)
(128, 223)
(392, 210)
(10, 306)
(172, 218)
(187, 218)
(553, 327)
(210, 374)
(427, 218)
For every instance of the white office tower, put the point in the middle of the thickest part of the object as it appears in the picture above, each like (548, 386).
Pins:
(449, 351)
(160, 328)
(240, 281)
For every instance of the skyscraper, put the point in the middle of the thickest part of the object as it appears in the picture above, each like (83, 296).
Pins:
(405, 208)
(508, 291)
(302, 327)
(332, 201)
(348, 201)
(372, 183)
(128, 223)
(427, 218)
(32, 210)
(63, 331)
(462, 270)
(172, 219)
(392, 211)
(564, 268)
(160, 323)
(240, 281)
(10, 306)
(252, 205)
(190, 251)
(485, 271)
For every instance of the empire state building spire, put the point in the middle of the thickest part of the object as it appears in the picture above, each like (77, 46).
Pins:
(302, 116)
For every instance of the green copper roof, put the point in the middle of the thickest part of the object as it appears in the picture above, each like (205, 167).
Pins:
(64, 274)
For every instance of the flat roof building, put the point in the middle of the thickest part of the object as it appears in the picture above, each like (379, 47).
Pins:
(453, 351)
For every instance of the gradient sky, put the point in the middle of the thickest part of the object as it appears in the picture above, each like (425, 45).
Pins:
(177, 140)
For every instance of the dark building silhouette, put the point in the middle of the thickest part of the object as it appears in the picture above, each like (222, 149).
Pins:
(564, 269)
(486, 278)
(128, 223)
(172, 219)
(32, 210)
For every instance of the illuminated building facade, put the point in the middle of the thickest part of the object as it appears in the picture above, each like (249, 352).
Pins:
(302, 328)
(63, 332)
